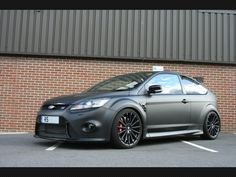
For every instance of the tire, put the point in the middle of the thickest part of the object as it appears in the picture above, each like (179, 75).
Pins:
(126, 129)
(211, 126)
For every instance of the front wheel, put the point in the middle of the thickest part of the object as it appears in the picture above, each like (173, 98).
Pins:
(211, 126)
(126, 129)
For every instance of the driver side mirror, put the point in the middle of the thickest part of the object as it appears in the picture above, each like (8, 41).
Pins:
(154, 89)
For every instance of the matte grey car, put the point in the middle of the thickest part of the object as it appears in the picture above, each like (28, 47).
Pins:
(127, 108)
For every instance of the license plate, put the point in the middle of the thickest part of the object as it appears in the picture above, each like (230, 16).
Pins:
(50, 119)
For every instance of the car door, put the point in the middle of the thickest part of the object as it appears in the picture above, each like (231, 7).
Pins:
(196, 95)
(168, 110)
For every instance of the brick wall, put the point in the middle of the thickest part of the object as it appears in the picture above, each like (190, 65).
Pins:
(26, 82)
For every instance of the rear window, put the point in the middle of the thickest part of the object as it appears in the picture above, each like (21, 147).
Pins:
(192, 87)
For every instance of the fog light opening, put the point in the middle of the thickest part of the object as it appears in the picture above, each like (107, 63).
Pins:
(89, 127)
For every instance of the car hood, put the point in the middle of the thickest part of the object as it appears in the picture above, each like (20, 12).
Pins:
(73, 99)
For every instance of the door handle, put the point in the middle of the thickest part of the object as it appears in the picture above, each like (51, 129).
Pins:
(184, 101)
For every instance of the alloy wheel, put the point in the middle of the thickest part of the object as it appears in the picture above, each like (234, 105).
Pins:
(213, 124)
(129, 128)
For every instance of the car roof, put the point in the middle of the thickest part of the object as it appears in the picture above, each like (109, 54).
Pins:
(167, 72)
(155, 72)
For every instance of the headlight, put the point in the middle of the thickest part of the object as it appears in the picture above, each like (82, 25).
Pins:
(94, 103)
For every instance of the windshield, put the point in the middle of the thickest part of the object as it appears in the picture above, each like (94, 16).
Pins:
(121, 83)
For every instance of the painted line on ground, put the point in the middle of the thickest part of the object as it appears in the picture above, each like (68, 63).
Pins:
(200, 147)
(53, 147)
(12, 133)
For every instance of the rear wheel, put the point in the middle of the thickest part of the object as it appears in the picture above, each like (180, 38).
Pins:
(126, 129)
(211, 127)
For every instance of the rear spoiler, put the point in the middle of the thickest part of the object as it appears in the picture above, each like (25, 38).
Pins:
(199, 79)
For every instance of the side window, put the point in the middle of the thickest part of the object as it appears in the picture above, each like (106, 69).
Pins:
(169, 82)
(192, 88)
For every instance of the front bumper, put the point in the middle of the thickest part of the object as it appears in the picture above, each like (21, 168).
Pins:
(72, 125)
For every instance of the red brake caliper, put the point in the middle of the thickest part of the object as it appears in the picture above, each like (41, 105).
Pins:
(120, 127)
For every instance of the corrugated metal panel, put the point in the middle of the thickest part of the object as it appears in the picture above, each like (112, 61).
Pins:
(175, 43)
(78, 18)
(71, 32)
(130, 36)
(194, 36)
(149, 32)
(123, 33)
(31, 28)
(232, 35)
(143, 42)
(155, 34)
(181, 35)
(4, 24)
(219, 37)
(206, 37)
(162, 33)
(136, 32)
(188, 34)
(226, 38)
(213, 37)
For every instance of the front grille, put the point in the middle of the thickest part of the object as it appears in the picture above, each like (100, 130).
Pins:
(54, 106)
(53, 130)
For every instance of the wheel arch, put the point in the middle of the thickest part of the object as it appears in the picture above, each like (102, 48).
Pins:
(129, 104)
(208, 108)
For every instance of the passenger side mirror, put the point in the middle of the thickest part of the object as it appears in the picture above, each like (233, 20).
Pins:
(154, 89)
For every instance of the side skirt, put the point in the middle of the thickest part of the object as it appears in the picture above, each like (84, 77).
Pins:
(161, 134)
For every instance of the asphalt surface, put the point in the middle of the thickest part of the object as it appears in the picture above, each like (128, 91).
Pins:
(23, 150)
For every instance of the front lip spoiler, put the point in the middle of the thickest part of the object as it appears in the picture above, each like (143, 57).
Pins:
(51, 138)
(72, 140)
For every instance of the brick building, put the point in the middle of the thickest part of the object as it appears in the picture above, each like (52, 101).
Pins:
(49, 53)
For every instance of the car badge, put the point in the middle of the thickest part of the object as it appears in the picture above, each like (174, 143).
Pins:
(51, 107)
